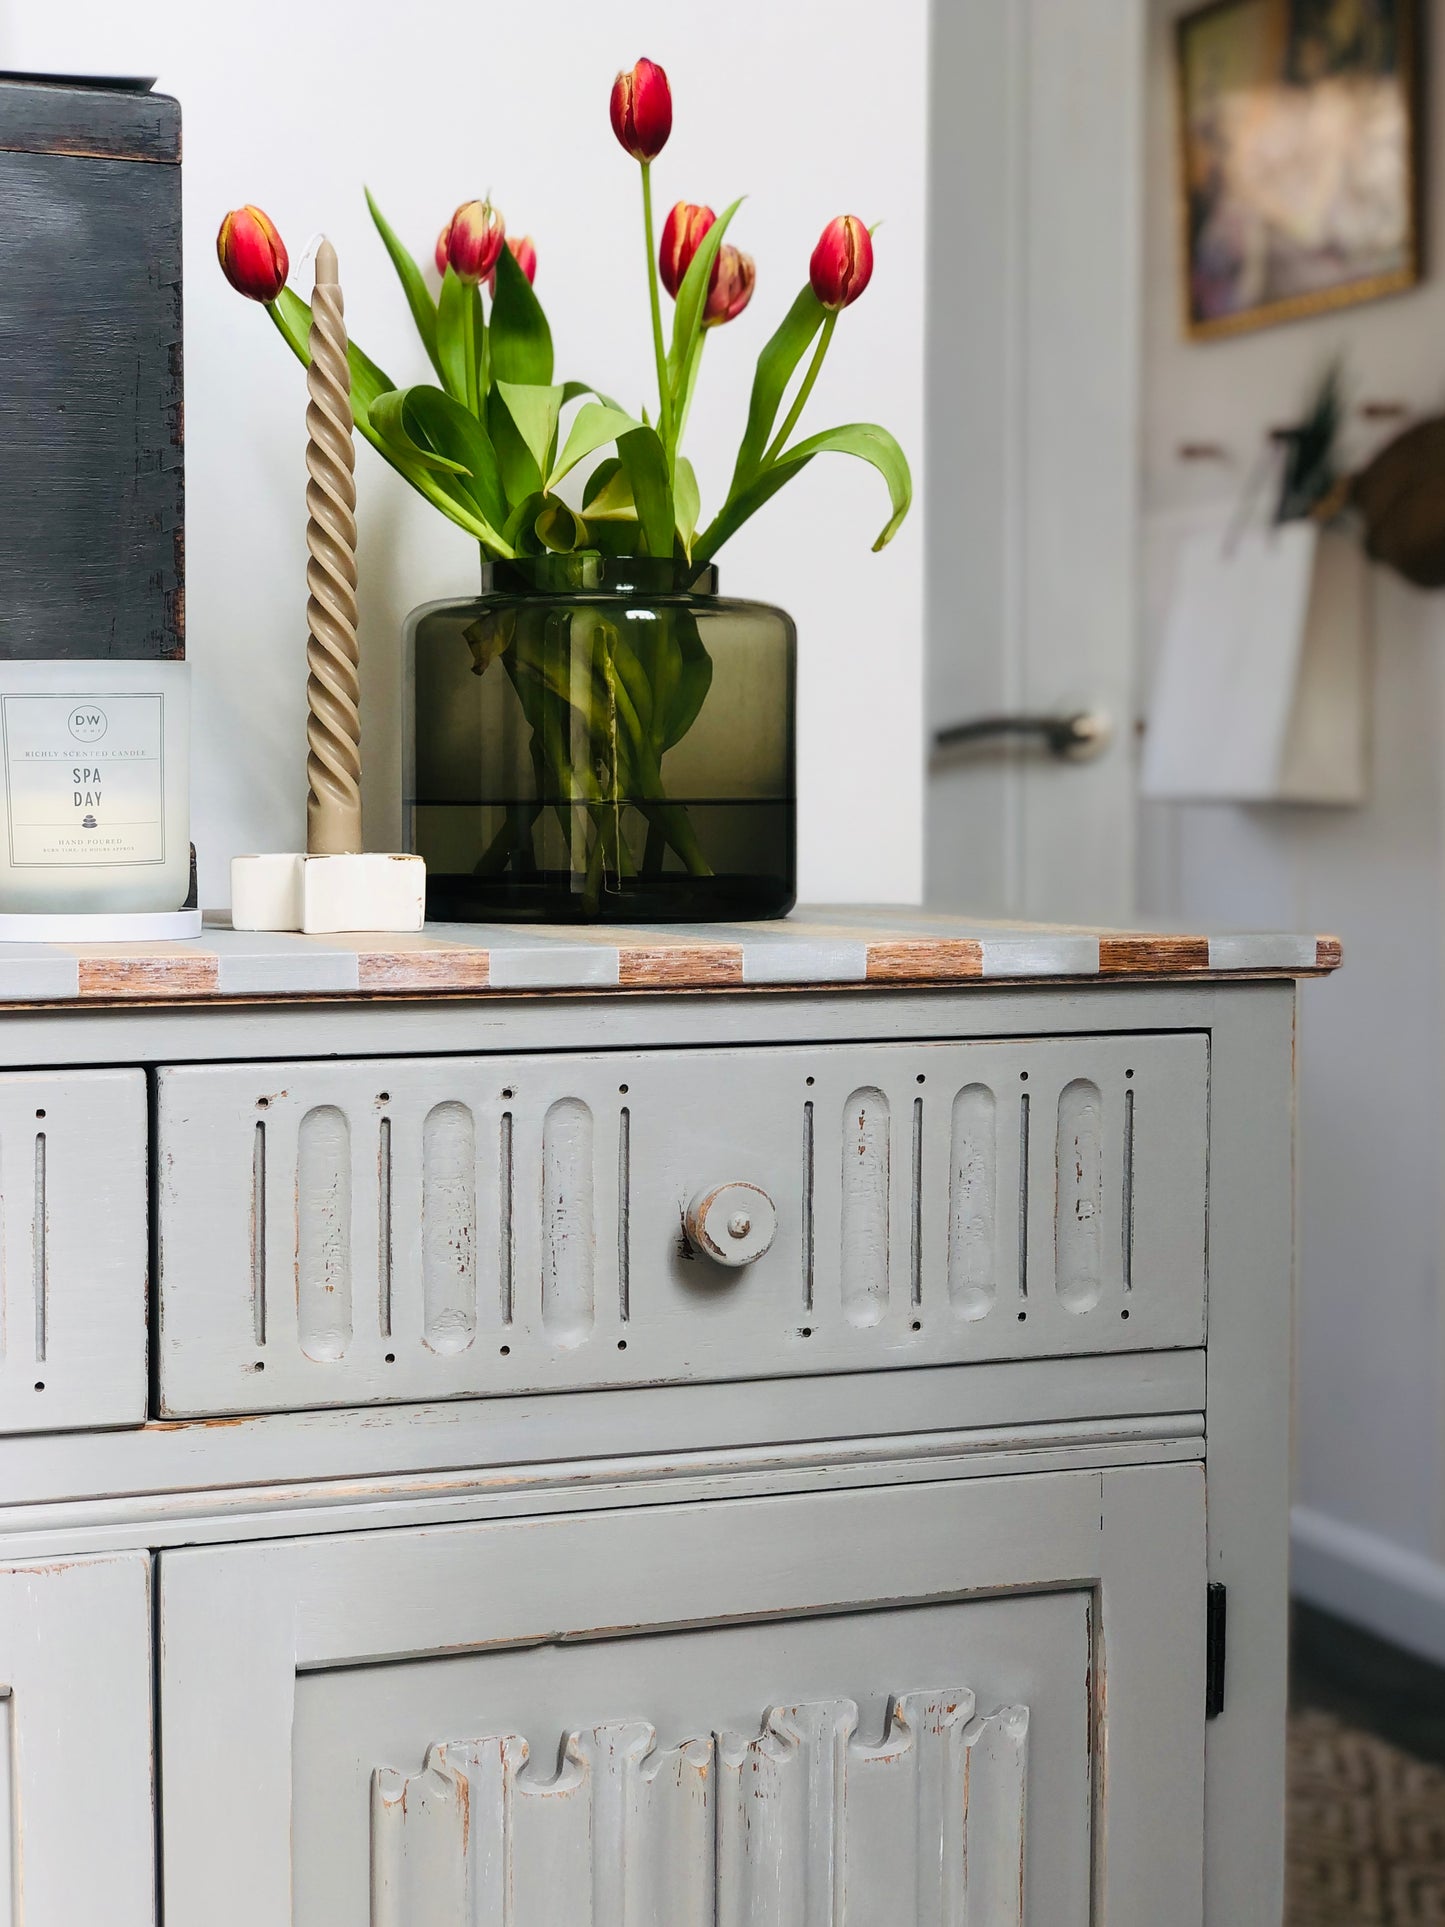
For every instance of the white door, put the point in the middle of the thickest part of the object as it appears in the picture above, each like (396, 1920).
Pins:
(77, 1830)
(885, 1706)
(1033, 377)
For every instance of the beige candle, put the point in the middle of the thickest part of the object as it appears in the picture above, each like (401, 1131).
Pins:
(333, 691)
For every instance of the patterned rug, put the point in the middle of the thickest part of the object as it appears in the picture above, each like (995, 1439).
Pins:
(1366, 1829)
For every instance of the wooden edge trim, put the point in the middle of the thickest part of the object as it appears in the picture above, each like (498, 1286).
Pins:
(1150, 956)
(423, 970)
(1329, 953)
(679, 966)
(925, 960)
(176, 976)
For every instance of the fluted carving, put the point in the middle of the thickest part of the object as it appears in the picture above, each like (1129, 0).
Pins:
(802, 1824)
(333, 691)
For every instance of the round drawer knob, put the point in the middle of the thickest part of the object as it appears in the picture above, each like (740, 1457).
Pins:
(733, 1224)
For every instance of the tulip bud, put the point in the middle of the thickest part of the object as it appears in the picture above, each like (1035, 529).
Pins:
(474, 240)
(524, 253)
(443, 243)
(682, 236)
(842, 263)
(733, 280)
(642, 110)
(252, 254)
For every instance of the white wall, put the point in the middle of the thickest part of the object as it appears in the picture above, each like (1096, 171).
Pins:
(812, 109)
(1370, 1539)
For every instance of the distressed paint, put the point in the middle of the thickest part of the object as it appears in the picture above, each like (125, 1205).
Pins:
(973, 1203)
(821, 948)
(449, 1227)
(323, 1233)
(575, 1221)
(569, 1223)
(1079, 1196)
(867, 1169)
(799, 1826)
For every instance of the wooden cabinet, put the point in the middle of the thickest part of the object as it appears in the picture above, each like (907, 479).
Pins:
(690, 1458)
(786, 1710)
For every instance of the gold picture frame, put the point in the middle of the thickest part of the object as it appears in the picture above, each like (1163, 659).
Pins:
(1299, 158)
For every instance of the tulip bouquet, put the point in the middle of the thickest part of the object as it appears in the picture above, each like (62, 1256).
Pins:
(492, 440)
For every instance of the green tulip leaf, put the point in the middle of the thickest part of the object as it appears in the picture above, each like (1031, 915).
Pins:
(522, 521)
(459, 330)
(521, 471)
(866, 440)
(521, 339)
(615, 535)
(776, 366)
(688, 499)
(388, 417)
(490, 636)
(645, 461)
(691, 681)
(534, 408)
(692, 299)
(575, 390)
(595, 426)
(292, 317)
(560, 528)
(455, 431)
(608, 489)
(418, 294)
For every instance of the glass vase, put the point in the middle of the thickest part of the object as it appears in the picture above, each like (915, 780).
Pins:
(602, 738)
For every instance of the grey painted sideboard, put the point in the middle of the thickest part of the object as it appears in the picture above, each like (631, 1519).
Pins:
(761, 1427)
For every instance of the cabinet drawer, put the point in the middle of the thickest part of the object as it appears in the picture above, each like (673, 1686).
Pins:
(337, 1233)
(73, 1251)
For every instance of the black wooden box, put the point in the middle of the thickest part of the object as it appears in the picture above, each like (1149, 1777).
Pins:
(92, 540)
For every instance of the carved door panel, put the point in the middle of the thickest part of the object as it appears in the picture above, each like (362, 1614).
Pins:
(76, 1823)
(877, 1708)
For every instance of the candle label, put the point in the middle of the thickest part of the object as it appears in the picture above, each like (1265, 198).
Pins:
(84, 778)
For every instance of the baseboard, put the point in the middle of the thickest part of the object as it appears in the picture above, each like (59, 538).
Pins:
(1354, 1574)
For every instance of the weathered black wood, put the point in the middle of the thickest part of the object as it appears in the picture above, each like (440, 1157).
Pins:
(107, 122)
(91, 456)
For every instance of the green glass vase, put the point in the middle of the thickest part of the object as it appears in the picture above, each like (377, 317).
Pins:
(602, 738)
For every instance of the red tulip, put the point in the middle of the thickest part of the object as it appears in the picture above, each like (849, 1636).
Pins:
(252, 254)
(682, 235)
(842, 263)
(443, 243)
(733, 280)
(524, 253)
(474, 240)
(642, 110)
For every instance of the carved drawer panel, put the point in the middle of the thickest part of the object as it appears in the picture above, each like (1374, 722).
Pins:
(340, 1232)
(73, 1249)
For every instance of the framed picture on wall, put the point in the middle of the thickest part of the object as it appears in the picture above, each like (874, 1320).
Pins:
(1299, 149)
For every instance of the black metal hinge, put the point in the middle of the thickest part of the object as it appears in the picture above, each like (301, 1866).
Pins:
(1215, 1647)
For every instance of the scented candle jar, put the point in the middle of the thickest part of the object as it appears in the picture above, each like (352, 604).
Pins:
(93, 792)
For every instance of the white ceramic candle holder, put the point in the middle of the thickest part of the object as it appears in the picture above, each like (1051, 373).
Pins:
(322, 894)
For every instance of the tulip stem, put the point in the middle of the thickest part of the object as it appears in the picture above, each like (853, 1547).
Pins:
(469, 350)
(780, 440)
(664, 392)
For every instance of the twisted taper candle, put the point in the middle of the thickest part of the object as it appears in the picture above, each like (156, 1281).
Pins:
(333, 691)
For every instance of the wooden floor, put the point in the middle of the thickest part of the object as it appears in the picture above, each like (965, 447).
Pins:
(1366, 1782)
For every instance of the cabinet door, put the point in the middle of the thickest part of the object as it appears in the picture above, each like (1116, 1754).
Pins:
(77, 1831)
(879, 1708)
